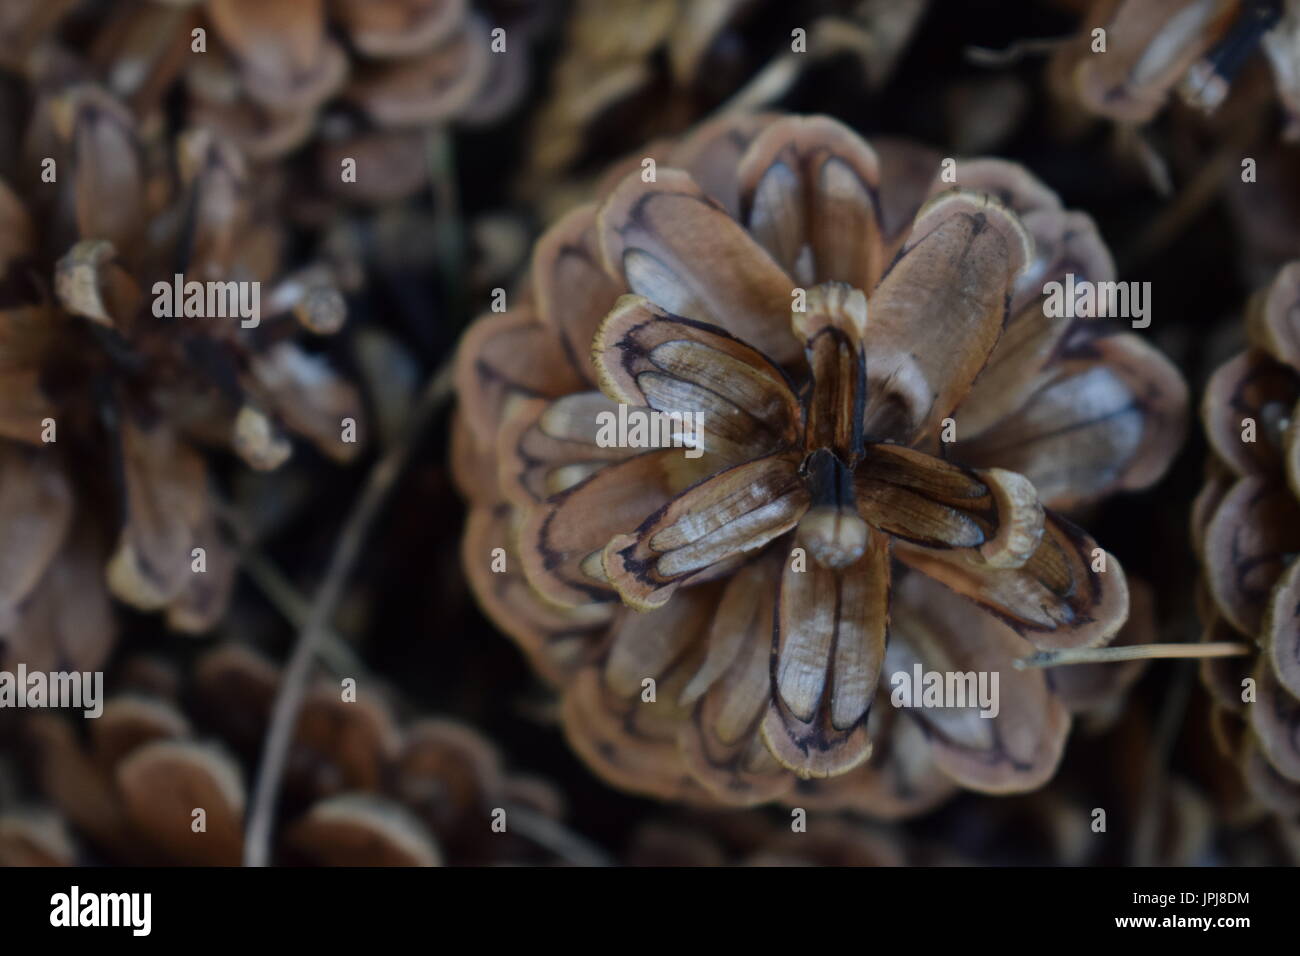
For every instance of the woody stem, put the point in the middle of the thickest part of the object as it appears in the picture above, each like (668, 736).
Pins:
(1136, 652)
(284, 717)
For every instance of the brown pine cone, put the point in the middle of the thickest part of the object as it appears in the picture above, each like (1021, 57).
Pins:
(362, 788)
(1194, 47)
(358, 79)
(106, 407)
(837, 312)
(1246, 529)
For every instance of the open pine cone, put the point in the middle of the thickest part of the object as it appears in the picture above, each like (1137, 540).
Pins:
(1246, 529)
(363, 788)
(105, 407)
(835, 310)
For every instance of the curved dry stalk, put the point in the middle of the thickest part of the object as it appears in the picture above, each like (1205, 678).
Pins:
(1018, 50)
(876, 37)
(1132, 652)
(383, 476)
(1193, 198)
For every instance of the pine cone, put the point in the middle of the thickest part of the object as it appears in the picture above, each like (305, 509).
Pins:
(105, 407)
(1246, 529)
(358, 79)
(1195, 47)
(361, 789)
(834, 310)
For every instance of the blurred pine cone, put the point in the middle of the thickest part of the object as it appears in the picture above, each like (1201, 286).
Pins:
(359, 79)
(105, 407)
(1195, 47)
(1246, 529)
(362, 788)
(823, 432)
(632, 70)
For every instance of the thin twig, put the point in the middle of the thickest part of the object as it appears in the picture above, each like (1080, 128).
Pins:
(554, 836)
(767, 86)
(279, 590)
(1132, 652)
(1132, 139)
(830, 37)
(383, 476)
(1017, 51)
(1169, 724)
(336, 652)
(449, 227)
(1192, 199)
